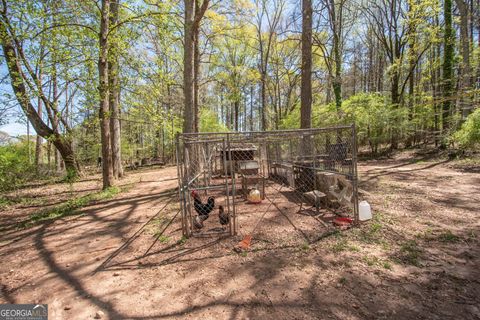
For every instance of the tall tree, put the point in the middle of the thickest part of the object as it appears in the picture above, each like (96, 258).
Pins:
(114, 92)
(26, 85)
(104, 94)
(191, 25)
(465, 68)
(306, 87)
(266, 39)
(38, 144)
(332, 45)
(448, 62)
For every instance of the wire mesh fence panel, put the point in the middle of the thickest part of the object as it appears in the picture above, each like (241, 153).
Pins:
(303, 173)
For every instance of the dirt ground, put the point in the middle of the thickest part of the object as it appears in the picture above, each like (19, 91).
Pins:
(121, 258)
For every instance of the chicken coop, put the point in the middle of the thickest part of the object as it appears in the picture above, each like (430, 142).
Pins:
(307, 172)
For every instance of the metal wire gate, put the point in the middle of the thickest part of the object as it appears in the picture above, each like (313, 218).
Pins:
(317, 169)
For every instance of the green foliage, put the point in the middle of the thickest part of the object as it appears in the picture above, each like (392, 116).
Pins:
(410, 252)
(371, 260)
(373, 114)
(469, 134)
(4, 202)
(88, 138)
(68, 208)
(182, 241)
(322, 116)
(15, 167)
(340, 245)
(209, 122)
(305, 246)
(71, 176)
(374, 117)
(448, 236)
(163, 239)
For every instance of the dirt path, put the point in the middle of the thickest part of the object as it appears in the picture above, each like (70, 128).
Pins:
(418, 259)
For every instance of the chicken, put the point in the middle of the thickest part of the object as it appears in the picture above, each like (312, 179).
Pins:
(222, 216)
(203, 210)
(198, 222)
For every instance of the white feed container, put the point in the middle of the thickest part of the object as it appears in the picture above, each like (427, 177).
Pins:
(365, 212)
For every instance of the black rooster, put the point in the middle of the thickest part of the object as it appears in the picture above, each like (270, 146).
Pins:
(203, 210)
(222, 216)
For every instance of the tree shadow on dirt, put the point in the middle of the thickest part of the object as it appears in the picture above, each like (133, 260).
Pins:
(68, 278)
(376, 173)
(357, 294)
(270, 283)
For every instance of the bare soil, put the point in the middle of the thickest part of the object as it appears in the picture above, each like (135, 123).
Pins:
(419, 258)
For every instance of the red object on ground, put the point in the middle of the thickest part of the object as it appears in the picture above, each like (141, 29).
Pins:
(343, 222)
(244, 244)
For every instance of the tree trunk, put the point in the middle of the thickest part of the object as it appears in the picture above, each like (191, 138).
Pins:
(114, 96)
(196, 71)
(193, 15)
(236, 106)
(437, 88)
(448, 61)
(107, 170)
(251, 107)
(38, 144)
(29, 151)
(465, 70)
(188, 71)
(411, 84)
(328, 88)
(65, 149)
(395, 96)
(337, 57)
(263, 93)
(306, 85)
(62, 143)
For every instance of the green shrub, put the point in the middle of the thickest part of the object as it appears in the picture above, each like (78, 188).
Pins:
(374, 118)
(469, 134)
(15, 167)
(373, 114)
(209, 122)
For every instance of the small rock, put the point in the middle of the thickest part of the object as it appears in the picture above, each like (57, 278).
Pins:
(97, 258)
(116, 274)
(99, 315)
(356, 306)
(67, 308)
(68, 265)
